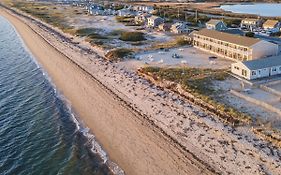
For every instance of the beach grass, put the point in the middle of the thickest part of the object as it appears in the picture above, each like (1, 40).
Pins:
(199, 83)
(45, 12)
(176, 42)
(132, 36)
(118, 54)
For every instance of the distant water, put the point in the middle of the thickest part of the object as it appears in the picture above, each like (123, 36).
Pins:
(38, 133)
(261, 9)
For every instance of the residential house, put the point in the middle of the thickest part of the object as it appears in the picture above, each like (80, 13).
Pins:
(180, 27)
(125, 12)
(145, 9)
(141, 19)
(165, 27)
(235, 47)
(154, 21)
(259, 68)
(251, 24)
(214, 24)
(109, 12)
(96, 12)
(271, 24)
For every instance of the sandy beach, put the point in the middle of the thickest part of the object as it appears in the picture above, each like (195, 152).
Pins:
(144, 129)
(130, 141)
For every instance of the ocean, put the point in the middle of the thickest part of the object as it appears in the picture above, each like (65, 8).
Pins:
(260, 9)
(39, 133)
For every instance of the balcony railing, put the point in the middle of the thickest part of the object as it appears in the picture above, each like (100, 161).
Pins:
(220, 46)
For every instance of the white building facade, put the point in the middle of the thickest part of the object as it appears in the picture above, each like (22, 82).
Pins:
(235, 47)
(154, 21)
(256, 69)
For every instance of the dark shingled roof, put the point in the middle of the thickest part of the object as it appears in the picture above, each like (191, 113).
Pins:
(231, 38)
(263, 63)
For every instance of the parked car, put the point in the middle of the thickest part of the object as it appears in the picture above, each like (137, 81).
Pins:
(176, 55)
(212, 57)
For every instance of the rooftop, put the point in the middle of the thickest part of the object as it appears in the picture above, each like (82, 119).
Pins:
(213, 22)
(263, 63)
(154, 17)
(271, 23)
(250, 19)
(231, 38)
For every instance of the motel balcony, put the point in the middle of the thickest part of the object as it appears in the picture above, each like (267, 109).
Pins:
(238, 51)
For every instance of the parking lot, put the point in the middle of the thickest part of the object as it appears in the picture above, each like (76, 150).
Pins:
(187, 56)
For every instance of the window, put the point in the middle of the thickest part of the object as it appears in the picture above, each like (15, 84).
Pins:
(244, 72)
(254, 72)
(235, 67)
(274, 69)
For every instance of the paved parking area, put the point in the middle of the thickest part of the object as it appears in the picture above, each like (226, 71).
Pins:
(189, 56)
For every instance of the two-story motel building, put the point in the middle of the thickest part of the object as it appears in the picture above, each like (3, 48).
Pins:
(235, 47)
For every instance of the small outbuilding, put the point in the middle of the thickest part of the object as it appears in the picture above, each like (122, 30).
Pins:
(259, 68)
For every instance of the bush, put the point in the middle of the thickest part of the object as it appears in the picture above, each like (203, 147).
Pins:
(250, 34)
(230, 22)
(97, 42)
(118, 54)
(96, 36)
(115, 32)
(132, 36)
(276, 34)
(181, 41)
(86, 31)
(124, 19)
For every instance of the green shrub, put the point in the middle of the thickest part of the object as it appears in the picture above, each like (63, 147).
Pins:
(229, 22)
(250, 34)
(181, 41)
(96, 36)
(115, 32)
(86, 31)
(132, 36)
(123, 19)
(118, 54)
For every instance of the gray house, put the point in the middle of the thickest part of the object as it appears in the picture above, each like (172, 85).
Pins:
(214, 24)
(259, 68)
(154, 21)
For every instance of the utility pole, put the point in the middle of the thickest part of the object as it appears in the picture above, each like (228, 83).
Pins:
(196, 16)
(178, 13)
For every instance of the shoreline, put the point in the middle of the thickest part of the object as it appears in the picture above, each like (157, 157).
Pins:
(190, 134)
(29, 36)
